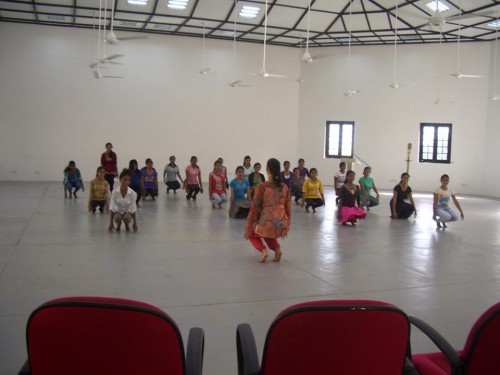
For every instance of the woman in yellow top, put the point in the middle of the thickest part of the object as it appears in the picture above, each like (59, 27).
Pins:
(99, 192)
(312, 191)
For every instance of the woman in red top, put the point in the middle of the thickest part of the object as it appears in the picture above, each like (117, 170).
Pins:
(217, 185)
(270, 215)
(110, 165)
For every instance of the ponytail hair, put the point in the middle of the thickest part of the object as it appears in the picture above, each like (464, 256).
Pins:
(273, 165)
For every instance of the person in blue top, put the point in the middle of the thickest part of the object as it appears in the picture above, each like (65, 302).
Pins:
(239, 203)
(72, 180)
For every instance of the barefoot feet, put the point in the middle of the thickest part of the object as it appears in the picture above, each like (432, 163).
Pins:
(277, 254)
(263, 256)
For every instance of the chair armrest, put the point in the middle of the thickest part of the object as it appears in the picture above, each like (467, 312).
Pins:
(25, 370)
(248, 359)
(195, 351)
(444, 346)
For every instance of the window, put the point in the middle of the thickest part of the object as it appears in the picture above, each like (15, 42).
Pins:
(435, 143)
(339, 139)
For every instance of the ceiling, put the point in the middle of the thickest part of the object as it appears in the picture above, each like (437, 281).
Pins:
(372, 22)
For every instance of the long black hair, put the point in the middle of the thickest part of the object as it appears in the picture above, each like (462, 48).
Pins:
(70, 164)
(273, 165)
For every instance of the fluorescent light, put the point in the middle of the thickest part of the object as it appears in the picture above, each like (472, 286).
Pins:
(177, 4)
(249, 11)
(437, 6)
(494, 24)
(138, 2)
(55, 17)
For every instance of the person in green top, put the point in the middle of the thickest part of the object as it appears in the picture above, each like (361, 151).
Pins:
(366, 185)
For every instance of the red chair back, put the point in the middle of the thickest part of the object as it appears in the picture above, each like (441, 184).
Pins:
(95, 335)
(481, 353)
(337, 337)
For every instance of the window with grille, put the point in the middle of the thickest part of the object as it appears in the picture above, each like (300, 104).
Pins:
(339, 139)
(435, 143)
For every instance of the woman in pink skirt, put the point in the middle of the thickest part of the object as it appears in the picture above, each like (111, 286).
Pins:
(348, 198)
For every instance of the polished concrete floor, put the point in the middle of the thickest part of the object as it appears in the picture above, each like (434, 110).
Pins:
(193, 262)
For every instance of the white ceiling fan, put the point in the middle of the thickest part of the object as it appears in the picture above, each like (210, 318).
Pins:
(349, 91)
(235, 82)
(111, 37)
(306, 57)
(395, 83)
(204, 69)
(263, 72)
(438, 18)
(97, 65)
(459, 73)
(438, 81)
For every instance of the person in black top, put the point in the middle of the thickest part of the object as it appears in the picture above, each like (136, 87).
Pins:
(402, 205)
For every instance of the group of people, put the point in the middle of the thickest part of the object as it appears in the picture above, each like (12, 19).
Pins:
(265, 203)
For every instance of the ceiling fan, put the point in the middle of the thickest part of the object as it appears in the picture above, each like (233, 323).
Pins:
(96, 66)
(111, 37)
(235, 82)
(204, 69)
(438, 80)
(349, 91)
(263, 72)
(438, 18)
(459, 73)
(395, 84)
(306, 57)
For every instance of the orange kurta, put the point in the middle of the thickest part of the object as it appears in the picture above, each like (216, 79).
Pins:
(270, 212)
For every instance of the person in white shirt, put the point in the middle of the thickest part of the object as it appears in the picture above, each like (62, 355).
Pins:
(123, 205)
(442, 213)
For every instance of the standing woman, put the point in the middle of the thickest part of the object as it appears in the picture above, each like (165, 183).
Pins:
(110, 163)
(366, 184)
(99, 192)
(192, 182)
(402, 204)
(149, 180)
(348, 197)
(270, 215)
(239, 203)
(441, 208)
(286, 175)
(255, 178)
(247, 166)
(170, 174)
(72, 180)
(312, 192)
(217, 186)
(122, 207)
(135, 179)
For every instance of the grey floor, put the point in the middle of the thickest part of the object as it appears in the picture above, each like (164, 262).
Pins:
(192, 262)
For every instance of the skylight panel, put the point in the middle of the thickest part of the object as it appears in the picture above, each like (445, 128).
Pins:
(177, 4)
(138, 2)
(437, 6)
(494, 24)
(249, 12)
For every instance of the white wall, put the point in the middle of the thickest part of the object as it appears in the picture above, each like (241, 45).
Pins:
(386, 120)
(53, 110)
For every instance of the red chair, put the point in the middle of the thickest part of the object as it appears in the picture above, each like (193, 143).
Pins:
(330, 337)
(480, 355)
(96, 335)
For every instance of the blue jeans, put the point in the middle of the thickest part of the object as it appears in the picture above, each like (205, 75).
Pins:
(73, 185)
(373, 201)
(446, 214)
